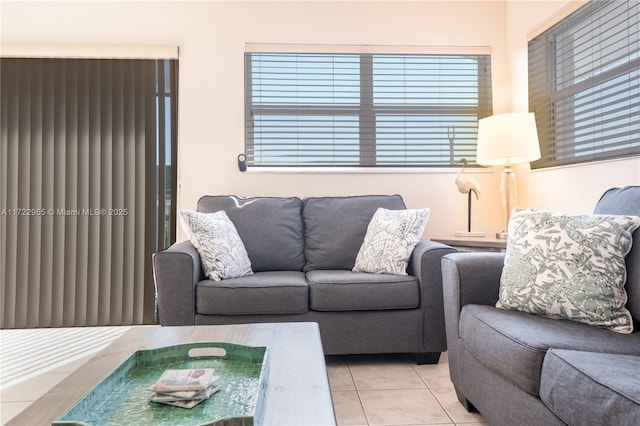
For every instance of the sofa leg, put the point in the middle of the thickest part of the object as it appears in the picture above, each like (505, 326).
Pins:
(465, 402)
(427, 358)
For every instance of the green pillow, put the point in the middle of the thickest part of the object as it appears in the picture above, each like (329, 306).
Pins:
(569, 267)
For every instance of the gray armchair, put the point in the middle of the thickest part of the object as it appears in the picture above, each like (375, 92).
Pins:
(504, 363)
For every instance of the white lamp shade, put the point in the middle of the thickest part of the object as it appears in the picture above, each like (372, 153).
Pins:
(505, 139)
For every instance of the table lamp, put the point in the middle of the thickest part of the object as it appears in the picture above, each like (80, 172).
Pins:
(504, 140)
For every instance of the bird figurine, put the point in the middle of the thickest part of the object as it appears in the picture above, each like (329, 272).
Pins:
(466, 184)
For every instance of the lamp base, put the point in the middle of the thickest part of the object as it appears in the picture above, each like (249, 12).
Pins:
(508, 191)
(469, 234)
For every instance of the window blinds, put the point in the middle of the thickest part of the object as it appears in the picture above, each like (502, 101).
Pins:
(350, 109)
(84, 144)
(584, 84)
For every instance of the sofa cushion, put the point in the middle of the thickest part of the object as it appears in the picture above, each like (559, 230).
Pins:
(390, 239)
(574, 382)
(270, 227)
(361, 291)
(271, 292)
(221, 250)
(523, 339)
(335, 228)
(626, 201)
(569, 266)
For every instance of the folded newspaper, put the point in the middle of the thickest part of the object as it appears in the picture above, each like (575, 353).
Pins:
(184, 388)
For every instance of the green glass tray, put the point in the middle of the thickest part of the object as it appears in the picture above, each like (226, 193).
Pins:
(122, 397)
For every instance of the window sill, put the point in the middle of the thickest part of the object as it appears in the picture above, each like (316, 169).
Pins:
(585, 164)
(366, 170)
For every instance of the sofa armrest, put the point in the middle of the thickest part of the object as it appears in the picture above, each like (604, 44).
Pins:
(467, 278)
(471, 278)
(176, 272)
(425, 264)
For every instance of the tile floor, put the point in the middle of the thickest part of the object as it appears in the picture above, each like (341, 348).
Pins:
(393, 390)
(366, 390)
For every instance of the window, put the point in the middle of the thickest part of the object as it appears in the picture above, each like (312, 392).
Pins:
(166, 150)
(357, 109)
(584, 85)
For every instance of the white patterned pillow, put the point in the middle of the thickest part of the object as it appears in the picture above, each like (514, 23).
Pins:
(221, 250)
(568, 266)
(390, 239)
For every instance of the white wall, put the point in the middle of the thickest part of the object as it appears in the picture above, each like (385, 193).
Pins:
(394, 23)
(211, 36)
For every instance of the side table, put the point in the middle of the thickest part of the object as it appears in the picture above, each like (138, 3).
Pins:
(463, 244)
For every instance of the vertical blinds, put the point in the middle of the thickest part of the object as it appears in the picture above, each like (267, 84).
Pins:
(78, 161)
(317, 109)
(584, 84)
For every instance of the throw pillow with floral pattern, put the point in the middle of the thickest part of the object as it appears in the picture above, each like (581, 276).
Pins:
(568, 266)
(222, 252)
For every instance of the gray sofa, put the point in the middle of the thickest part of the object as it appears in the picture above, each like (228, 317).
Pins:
(302, 252)
(519, 368)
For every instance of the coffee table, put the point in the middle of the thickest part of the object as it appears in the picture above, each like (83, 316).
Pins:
(297, 387)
